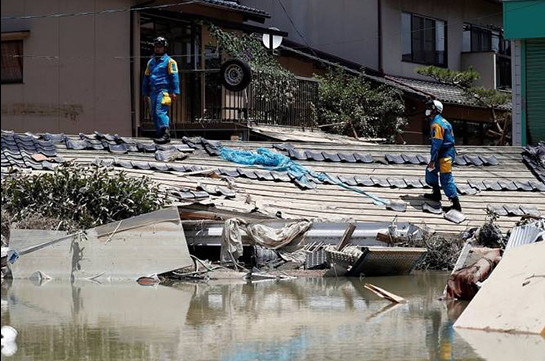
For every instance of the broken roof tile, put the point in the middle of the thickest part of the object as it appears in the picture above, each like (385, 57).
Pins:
(48, 165)
(423, 159)
(280, 176)
(413, 182)
(397, 182)
(523, 186)
(492, 185)
(303, 183)
(514, 210)
(363, 157)
(54, 138)
(507, 185)
(146, 147)
(230, 172)
(394, 158)
(283, 146)
(460, 160)
(317, 156)
(455, 216)
(489, 160)
(264, 175)
(364, 181)
(295, 154)
(347, 157)
(499, 210)
(465, 189)
(248, 173)
(118, 148)
(530, 210)
(537, 186)
(473, 159)
(140, 165)
(162, 167)
(87, 136)
(347, 180)
(477, 184)
(226, 192)
(332, 157)
(176, 167)
(410, 158)
(381, 182)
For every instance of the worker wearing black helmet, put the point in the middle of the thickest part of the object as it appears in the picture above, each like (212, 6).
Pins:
(162, 86)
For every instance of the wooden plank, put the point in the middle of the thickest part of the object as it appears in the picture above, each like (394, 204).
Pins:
(345, 239)
(382, 293)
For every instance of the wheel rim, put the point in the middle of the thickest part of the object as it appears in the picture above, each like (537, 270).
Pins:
(234, 74)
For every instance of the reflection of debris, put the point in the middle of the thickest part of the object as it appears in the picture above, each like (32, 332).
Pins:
(148, 244)
(385, 294)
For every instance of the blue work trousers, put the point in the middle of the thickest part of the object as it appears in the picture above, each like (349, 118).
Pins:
(159, 104)
(443, 171)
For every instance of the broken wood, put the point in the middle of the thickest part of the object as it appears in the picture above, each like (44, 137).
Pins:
(385, 294)
(350, 228)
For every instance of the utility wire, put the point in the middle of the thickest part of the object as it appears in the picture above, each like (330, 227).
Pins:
(393, 36)
(102, 12)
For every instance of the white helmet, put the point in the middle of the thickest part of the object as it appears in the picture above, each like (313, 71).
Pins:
(438, 106)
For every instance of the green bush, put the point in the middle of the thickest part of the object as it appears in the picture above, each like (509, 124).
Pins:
(81, 196)
(356, 107)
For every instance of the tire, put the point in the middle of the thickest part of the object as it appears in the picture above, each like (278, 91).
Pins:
(235, 75)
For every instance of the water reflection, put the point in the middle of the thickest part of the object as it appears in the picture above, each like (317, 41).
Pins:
(304, 319)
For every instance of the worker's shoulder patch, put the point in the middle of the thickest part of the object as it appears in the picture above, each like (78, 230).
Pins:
(172, 66)
(437, 131)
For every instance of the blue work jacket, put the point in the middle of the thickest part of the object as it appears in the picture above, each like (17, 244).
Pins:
(442, 139)
(161, 75)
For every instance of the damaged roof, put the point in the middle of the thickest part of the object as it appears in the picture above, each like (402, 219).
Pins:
(493, 178)
(446, 93)
(235, 6)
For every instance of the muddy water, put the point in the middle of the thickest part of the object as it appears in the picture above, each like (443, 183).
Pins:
(303, 319)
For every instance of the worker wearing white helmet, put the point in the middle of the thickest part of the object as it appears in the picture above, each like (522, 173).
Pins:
(443, 154)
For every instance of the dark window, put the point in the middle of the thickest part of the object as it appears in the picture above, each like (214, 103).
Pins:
(423, 40)
(12, 61)
(478, 38)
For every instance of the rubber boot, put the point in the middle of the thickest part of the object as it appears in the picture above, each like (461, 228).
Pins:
(455, 205)
(435, 195)
(164, 136)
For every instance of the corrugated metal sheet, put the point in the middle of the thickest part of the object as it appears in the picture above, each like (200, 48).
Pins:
(525, 234)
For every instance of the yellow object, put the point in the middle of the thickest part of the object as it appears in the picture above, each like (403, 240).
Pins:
(445, 165)
(437, 131)
(172, 66)
(166, 99)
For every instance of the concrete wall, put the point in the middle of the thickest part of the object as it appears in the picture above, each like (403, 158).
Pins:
(346, 28)
(454, 12)
(485, 64)
(76, 68)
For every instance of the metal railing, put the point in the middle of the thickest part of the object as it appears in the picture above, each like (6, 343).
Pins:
(203, 100)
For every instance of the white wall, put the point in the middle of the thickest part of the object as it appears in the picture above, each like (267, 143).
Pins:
(348, 28)
(345, 28)
(454, 12)
(76, 69)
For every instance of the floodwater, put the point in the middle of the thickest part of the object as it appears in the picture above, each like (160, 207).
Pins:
(303, 319)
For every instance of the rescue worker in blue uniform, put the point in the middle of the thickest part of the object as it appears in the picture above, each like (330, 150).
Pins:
(443, 154)
(161, 86)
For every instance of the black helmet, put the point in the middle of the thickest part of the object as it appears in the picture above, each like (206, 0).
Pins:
(160, 41)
